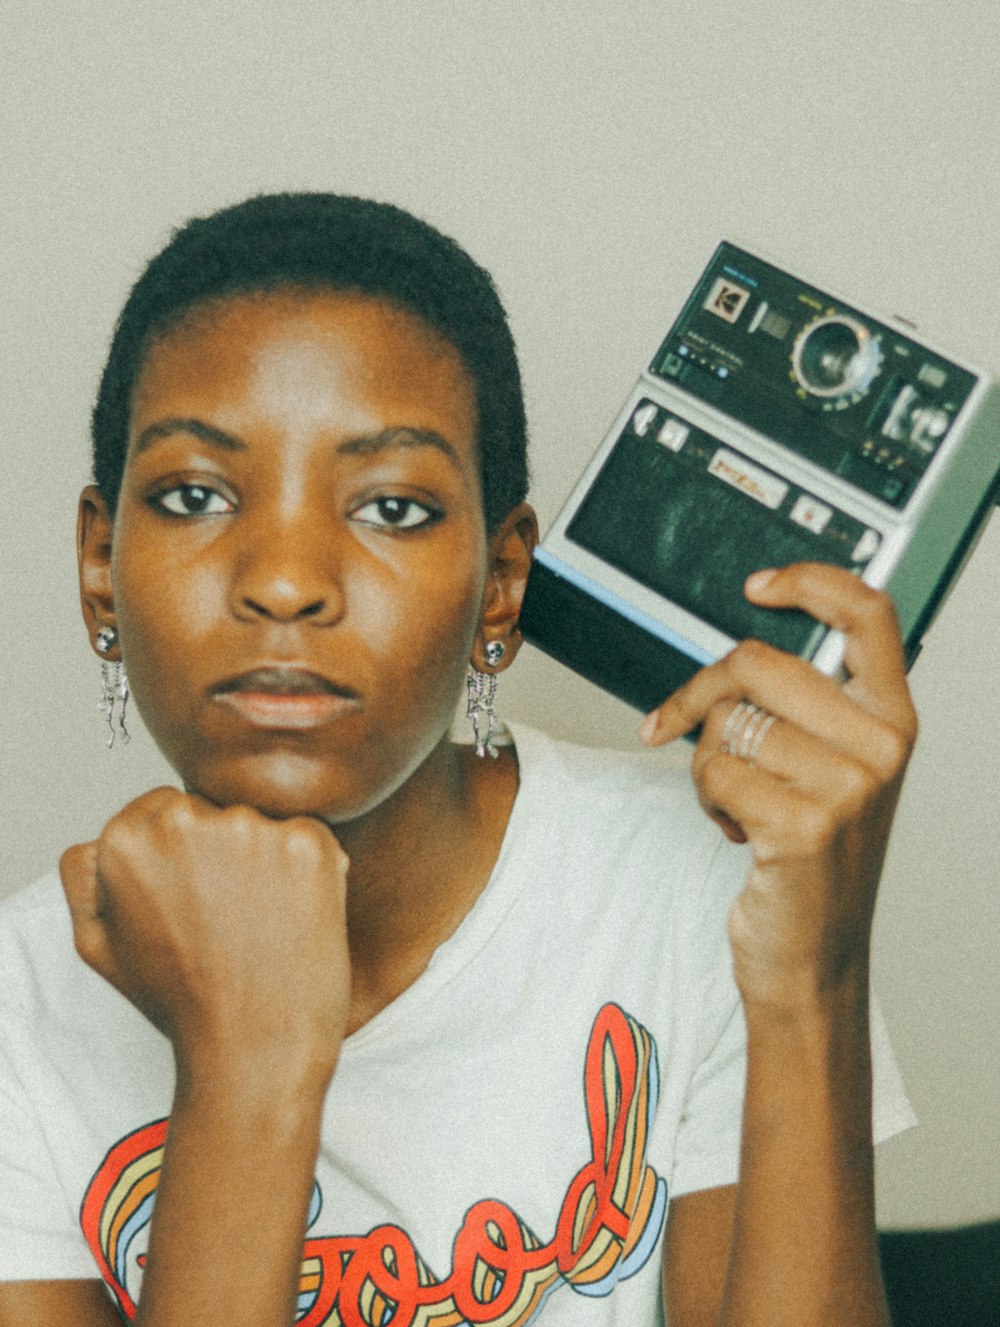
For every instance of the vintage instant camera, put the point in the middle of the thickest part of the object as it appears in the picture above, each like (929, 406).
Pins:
(775, 424)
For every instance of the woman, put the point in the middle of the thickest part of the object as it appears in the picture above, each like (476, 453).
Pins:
(439, 1037)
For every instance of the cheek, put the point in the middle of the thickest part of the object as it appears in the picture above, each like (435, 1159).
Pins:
(429, 630)
(159, 592)
(162, 630)
(420, 638)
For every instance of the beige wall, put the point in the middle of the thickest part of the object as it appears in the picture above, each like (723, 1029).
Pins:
(592, 154)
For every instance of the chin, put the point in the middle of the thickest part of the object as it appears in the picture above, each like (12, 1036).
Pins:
(286, 784)
(283, 787)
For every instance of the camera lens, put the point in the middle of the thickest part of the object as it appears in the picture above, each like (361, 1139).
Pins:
(835, 356)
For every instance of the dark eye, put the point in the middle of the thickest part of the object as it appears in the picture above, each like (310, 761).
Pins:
(192, 500)
(395, 513)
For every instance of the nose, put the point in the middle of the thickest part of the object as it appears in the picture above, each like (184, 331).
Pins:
(288, 572)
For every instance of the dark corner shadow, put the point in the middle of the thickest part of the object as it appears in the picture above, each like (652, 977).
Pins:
(943, 1278)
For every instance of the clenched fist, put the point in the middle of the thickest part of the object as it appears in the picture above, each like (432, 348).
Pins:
(227, 929)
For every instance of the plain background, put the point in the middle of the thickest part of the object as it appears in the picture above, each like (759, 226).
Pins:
(592, 155)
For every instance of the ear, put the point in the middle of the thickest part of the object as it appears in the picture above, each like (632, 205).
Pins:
(510, 550)
(93, 552)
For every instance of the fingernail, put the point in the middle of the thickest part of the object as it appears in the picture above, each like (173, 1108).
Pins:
(647, 729)
(759, 581)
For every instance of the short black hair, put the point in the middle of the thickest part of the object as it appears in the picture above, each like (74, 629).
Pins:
(337, 242)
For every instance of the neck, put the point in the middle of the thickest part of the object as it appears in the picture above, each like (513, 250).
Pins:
(418, 863)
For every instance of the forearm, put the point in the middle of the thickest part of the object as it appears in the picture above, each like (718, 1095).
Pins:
(231, 1207)
(804, 1249)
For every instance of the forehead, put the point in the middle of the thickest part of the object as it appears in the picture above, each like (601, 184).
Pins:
(314, 354)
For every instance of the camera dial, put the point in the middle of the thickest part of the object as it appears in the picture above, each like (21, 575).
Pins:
(835, 359)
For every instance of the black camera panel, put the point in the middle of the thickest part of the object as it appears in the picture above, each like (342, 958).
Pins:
(850, 393)
(776, 423)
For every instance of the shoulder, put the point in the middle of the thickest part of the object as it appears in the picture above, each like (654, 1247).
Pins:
(601, 790)
(572, 769)
(633, 817)
(38, 960)
(34, 911)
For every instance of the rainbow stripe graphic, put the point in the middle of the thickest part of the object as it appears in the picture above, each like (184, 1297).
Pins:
(119, 1203)
(502, 1273)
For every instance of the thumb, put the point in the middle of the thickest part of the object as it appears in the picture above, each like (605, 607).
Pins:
(78, 872)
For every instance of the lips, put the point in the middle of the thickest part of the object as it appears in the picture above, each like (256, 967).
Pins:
(282, 681)
(285, 698)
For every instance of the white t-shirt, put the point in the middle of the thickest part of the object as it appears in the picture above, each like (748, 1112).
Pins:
(506, 1133)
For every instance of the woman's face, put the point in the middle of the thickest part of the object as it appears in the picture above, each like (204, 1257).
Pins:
(299, 555)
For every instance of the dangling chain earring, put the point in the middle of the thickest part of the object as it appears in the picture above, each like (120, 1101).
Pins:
(482, 689)
(114, 685)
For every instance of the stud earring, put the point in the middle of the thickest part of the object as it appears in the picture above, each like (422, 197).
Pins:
(114, 685)
(481, 707)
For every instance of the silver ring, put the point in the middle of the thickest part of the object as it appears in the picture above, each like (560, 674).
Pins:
(733, 724)
(745, 730)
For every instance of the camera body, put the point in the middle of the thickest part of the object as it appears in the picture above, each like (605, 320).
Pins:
(775, 424)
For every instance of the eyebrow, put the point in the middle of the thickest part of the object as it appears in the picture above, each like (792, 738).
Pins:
(365, 444)
(369, 444)
(165, 428)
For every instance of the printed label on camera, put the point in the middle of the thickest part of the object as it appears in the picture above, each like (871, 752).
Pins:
(726, 299)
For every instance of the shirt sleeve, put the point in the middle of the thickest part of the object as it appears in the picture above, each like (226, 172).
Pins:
(891, 1109)
(707, 1151)
(709, 1132)
(40, 1239)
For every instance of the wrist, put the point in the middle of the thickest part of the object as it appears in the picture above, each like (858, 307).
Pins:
(251, 1078)
(809, 1070)
(810, 1023)
(810, 991)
